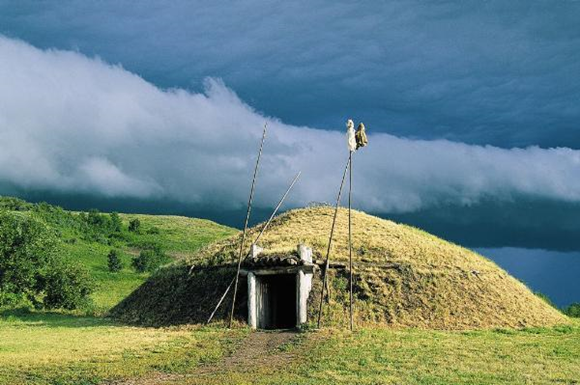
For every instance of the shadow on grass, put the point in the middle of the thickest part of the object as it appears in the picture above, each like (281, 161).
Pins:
(26, 317)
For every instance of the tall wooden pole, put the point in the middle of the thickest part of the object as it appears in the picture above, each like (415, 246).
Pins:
(350, 234)
(256, 241)
(327, 263)
(246, 224)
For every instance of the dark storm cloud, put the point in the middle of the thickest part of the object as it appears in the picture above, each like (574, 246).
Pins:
(483, 72)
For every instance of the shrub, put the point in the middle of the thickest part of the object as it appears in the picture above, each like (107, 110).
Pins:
(149, 245)
(27, 247)
(96, 219)
(148, 260)
(14, 204)
(116, 223)
(114, 261)
(135, 225)
(573, 310)
(54, 215)
(67, 286)
(98, 227)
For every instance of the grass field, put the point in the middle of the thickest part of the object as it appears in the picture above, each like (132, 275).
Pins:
(52, 348)
(63, 349)
(411, 356)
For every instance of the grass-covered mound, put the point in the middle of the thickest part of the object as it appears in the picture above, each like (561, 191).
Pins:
(403, 277)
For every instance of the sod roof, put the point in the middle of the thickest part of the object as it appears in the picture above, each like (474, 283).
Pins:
(403, 275)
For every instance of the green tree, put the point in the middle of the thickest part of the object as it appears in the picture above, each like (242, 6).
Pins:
(116, 223)
(27, 248)
(573, 310)
(114, 261)
(32, 269)
(97, 220)
(14, 204)
(135, 225)
(67, 286)
(148, 260)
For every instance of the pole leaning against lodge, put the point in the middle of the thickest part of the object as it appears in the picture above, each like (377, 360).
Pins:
(327, 262)
(256, 241)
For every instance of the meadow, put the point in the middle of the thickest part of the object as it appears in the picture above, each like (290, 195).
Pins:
(177, 236)
(63, 349)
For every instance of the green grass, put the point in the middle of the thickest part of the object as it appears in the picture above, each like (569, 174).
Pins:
(413, 356)
(111, 287)
(431, 357)
(82, 347)
(178, 236)
(52, 348)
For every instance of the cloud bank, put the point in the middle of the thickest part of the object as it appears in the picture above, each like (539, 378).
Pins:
(69, 123)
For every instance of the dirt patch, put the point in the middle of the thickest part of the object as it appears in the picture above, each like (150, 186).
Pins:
(260, 349)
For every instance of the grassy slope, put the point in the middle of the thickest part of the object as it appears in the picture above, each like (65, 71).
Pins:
(179, 237)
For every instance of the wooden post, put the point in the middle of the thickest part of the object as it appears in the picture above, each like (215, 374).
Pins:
(327, 262)
(350, 234)
(246, 225)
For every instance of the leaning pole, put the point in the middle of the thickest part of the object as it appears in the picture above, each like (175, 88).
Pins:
(246, 225)
(327, 262)
(256, 241)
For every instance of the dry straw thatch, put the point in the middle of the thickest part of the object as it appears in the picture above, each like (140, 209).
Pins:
(404, 277)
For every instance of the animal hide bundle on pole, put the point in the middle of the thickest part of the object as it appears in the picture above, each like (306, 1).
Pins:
(350, 136)
(361, 136)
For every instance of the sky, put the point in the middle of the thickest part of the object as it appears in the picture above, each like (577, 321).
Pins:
(471, 107)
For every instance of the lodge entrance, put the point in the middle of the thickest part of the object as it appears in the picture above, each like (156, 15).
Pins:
(279, 285)
(277, 301)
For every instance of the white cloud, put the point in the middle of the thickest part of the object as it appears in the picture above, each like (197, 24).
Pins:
(71, 123)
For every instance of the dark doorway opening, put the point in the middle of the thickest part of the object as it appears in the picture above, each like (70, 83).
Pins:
(278, 301)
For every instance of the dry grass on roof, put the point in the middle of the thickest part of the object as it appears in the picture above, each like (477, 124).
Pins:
(403, 276)
(375, 241)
